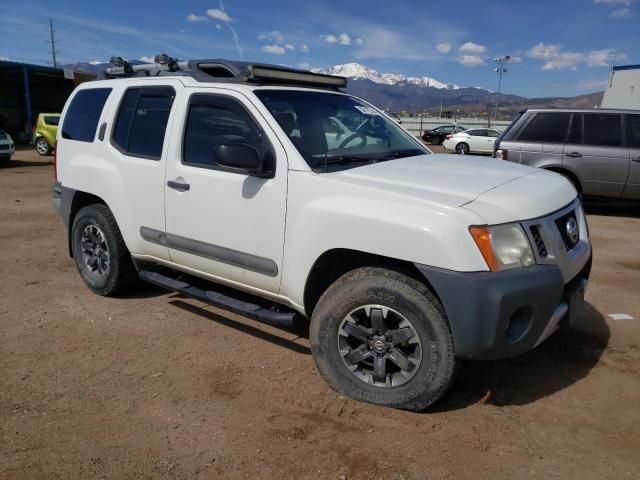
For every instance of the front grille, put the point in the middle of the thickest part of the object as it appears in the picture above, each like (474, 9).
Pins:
(562, 224)
(4, 147)
(537, 238)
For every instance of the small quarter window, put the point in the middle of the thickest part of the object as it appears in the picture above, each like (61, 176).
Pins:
(81, 119)
(142, 121)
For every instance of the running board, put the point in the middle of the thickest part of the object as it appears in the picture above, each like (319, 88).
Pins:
(256, 312)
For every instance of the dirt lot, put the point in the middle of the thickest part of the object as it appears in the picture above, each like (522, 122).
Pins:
(158, 386)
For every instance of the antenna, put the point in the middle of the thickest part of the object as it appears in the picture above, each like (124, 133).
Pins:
(53, 43)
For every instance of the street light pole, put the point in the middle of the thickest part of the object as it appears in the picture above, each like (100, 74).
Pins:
(500, 70)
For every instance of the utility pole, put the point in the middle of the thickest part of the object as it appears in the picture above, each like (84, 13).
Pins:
(53, 43)
(500, 70)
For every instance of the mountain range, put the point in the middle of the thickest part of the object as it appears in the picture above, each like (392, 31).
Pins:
(400, 93)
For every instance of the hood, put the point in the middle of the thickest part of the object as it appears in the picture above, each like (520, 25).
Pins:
(450, 180)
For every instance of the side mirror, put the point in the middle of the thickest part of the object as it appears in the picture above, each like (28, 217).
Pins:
(241, 156)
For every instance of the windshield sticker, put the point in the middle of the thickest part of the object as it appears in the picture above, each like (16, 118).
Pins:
(367, 110)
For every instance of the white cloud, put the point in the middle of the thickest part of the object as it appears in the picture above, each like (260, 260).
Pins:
(290, 47)
(193, 18)
(147, 59)
(358, 41)
(443, 48)
(304, 48)
(274, 49)
(592, 84)
(470, 47)
(219, 14)
(614, 2)
(621, 13)
(470, 60)
(330, 38)
(273, 36)
(344, 39)
(556, 59)
(5, 59)
(218, 26)
(304, 66)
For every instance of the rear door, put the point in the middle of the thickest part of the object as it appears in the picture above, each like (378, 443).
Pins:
(632, 189)
(601, 159)
(541, 141)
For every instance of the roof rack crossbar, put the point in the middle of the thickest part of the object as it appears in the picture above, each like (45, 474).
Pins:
(208, 70)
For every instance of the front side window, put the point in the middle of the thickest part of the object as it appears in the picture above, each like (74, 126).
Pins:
(602, 129)
(634, 130)
(214, 121)
(142, 121)
(479, 132)
(81, 119)
(493, 133)
(334, 131)
(575, 133)
(546, 127)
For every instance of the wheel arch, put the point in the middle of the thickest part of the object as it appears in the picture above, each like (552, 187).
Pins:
(567, 173)
(79, 200)
(334, 263)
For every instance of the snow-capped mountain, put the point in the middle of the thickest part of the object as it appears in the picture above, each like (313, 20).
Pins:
(357, 71)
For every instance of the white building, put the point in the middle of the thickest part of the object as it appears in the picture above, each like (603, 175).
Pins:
(623, 89)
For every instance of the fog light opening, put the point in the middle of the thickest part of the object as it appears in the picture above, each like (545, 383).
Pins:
(519, 324)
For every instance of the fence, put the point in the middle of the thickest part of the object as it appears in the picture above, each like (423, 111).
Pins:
(417, 125)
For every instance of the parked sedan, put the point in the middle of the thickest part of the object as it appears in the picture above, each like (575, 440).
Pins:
(7, 147)
(438, 134)
(475, 140)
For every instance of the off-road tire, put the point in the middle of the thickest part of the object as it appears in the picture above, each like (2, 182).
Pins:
(120, 276)
(388, 288)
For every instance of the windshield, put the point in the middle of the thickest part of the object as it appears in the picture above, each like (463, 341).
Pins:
(334, 132)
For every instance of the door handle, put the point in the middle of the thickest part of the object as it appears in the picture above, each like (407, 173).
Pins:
(574, 154)
(179, 186)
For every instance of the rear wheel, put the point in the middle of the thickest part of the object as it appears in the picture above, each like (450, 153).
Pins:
(462, 148)
(379, 336)
(100, 253)
(42, 146)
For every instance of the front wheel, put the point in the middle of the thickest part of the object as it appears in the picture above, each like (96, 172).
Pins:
(381, 337)
(42, 146)
(462, 148)
(100, 253)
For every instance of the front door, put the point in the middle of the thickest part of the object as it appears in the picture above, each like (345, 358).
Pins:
(632, 189)
(601, 159)
(221, 222)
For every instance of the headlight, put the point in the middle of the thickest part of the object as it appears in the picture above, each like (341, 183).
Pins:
(503, 246)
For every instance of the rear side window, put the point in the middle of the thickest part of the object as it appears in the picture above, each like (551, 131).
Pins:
(51, 120)
(142, 121)
(214, 121)
(546, 127)
(634, 130)
(81, 119)
(602, 129)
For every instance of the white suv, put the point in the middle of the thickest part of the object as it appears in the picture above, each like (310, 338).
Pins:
(310, 203)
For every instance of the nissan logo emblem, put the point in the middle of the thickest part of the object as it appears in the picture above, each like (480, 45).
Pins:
(572, 230)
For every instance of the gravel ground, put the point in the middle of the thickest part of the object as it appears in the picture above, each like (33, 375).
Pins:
(157, 386)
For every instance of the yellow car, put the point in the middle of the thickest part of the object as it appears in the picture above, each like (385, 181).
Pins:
(44, 136)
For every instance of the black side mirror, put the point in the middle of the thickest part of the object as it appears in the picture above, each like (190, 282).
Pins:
(241, 156)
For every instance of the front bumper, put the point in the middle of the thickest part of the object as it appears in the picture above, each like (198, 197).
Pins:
(503, 314)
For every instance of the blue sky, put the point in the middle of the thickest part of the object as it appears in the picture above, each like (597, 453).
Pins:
(558, 47)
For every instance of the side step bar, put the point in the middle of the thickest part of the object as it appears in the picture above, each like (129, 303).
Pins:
(278, 319)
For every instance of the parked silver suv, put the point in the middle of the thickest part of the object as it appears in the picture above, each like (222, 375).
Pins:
(598, 150)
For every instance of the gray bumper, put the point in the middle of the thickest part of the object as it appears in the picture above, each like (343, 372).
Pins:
(503, 314)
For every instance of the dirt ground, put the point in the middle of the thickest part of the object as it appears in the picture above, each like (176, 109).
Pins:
(158, 386)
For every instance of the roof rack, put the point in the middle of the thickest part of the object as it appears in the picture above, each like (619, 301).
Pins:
(219, 70)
